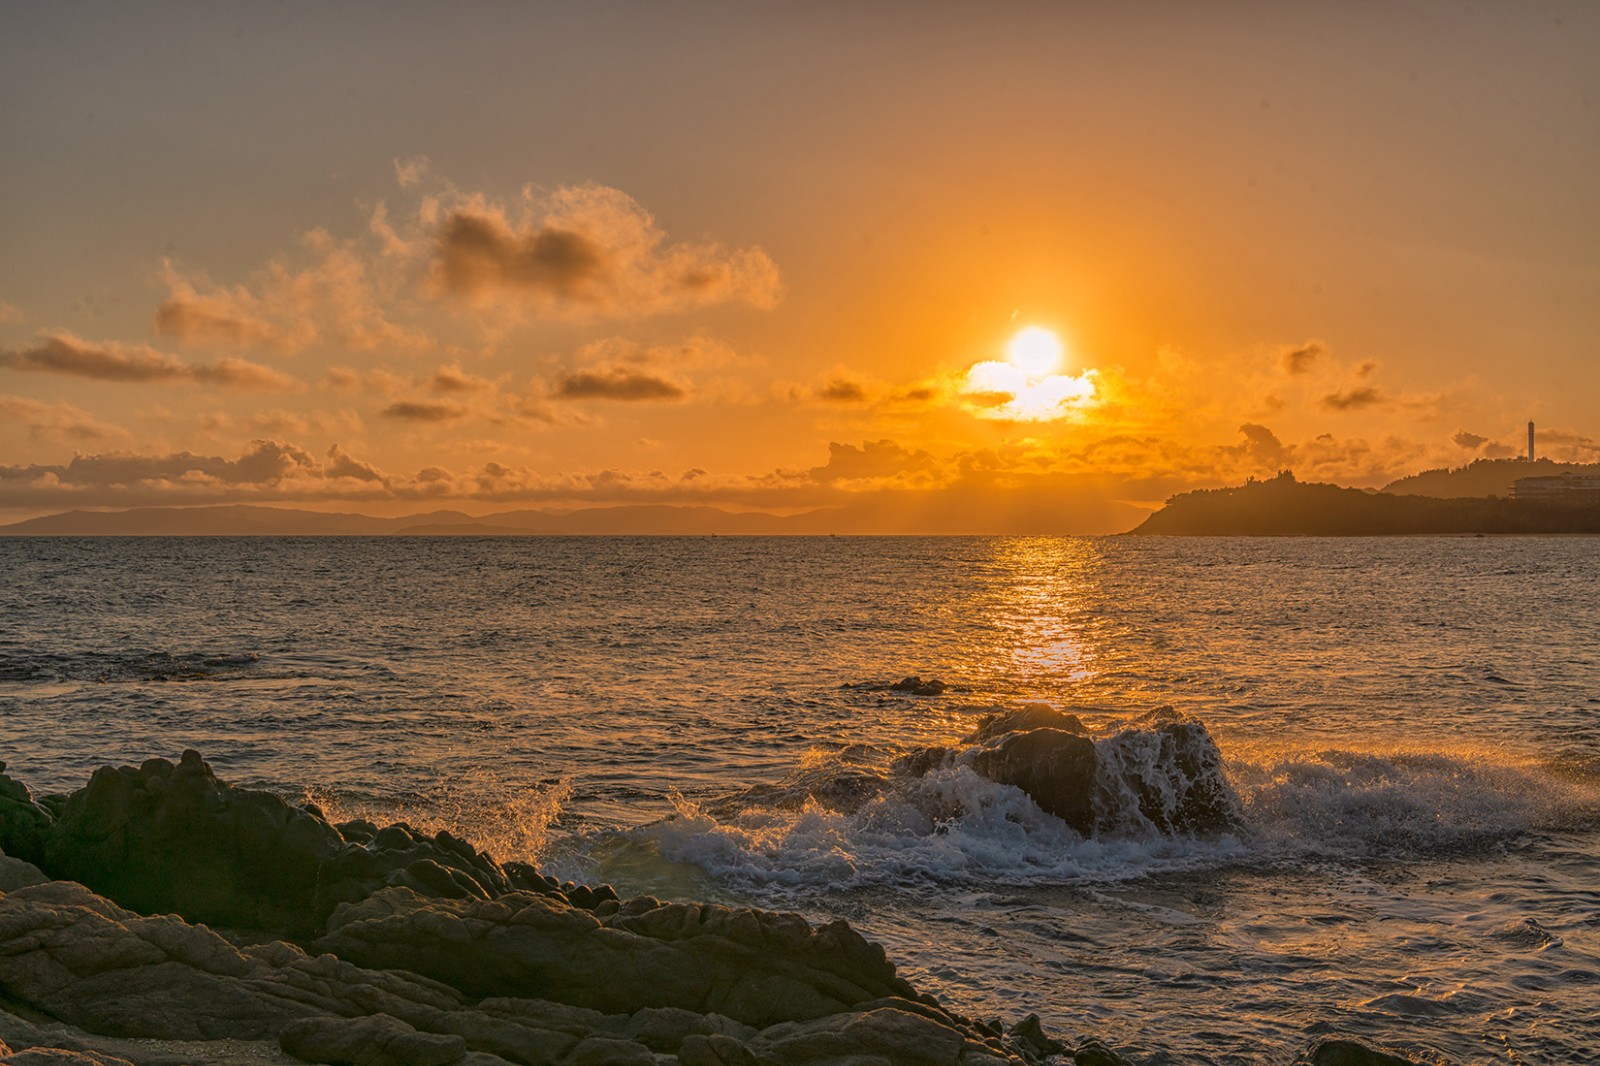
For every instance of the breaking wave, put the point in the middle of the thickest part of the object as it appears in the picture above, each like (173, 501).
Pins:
(859, 818)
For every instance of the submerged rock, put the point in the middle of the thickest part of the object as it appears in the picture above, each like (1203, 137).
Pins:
(1337, 1051)
(918, 687)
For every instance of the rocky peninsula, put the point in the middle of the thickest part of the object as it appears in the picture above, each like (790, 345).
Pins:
(160, 916)
(1285, 507)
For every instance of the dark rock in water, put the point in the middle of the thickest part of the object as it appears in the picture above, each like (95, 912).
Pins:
(1162, 773)
(918, 687)
(1055, 768)
(1028, 716)
(1094, 1053)
(1165, 772)
(918, 763)
(1343, 1052)
(1029, 1032)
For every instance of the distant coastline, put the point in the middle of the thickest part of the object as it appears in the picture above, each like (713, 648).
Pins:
(1285, 507)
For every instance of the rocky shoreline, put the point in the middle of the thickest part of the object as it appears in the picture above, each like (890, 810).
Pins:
(161, 916)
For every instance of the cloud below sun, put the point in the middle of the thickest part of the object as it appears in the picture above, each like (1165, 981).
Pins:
(1026, 387)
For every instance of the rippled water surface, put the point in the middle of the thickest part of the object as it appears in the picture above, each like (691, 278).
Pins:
(1411, 726)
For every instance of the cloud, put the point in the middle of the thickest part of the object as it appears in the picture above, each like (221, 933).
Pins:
(410, 170)
(422, 411)
(617, 383)
(277, 422)
(228, 317)
(1005, 392)
(845, 388)
(1261, 446)
(1354, 399)
(9, 313)
(451, 378)
(1301, 359)
(1566, 446)
(841, 389)
(872, 460)
(336, 299)
(590, 250)
(266, 470)
(1033, 484)
(265, 461)
(63, 353)
(56, 420)
(1470, 441)
(341, 464)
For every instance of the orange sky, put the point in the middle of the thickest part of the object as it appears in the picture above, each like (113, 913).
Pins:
(390, 261)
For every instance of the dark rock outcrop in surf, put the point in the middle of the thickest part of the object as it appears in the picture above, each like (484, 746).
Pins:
(1160, 773)
(167, 837)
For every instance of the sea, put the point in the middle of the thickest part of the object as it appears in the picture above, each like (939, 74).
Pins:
(1409, 727)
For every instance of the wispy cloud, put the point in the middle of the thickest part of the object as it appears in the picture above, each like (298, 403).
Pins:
(617, 383)
(56, 420)
(330, 293)
(1302, 357)
(424, 411)
(1354, 399)
(63, 353)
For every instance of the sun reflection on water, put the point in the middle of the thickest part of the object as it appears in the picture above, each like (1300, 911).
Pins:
(1036, 606)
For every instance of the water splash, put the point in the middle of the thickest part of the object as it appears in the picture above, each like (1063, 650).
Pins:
(509, 820)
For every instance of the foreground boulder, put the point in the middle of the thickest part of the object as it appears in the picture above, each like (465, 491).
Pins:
(171, 837)
(754, 967)
(79, 959)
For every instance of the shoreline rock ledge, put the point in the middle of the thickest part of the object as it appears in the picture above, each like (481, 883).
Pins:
(160, 916)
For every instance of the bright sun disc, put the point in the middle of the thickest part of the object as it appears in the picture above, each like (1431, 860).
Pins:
(1035, 351)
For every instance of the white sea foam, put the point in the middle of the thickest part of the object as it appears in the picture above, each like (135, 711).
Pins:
(953, 825)
(1360, 804)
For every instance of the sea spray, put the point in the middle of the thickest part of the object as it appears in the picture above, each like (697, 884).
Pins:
(510, 820)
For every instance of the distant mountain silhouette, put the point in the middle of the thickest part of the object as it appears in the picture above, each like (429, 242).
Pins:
(963, 510)
(1482, 477)
(245, 520)
(231, 520)
(1283, 506)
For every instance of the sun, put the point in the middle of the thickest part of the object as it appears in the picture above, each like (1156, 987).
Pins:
(1028, 385)
(1035, 351)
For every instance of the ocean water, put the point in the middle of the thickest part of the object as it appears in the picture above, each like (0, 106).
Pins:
(1410, 728)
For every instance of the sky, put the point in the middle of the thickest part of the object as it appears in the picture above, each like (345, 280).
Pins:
(391, 258)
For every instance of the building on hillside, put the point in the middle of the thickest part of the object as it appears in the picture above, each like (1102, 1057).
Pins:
(1559, 488)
